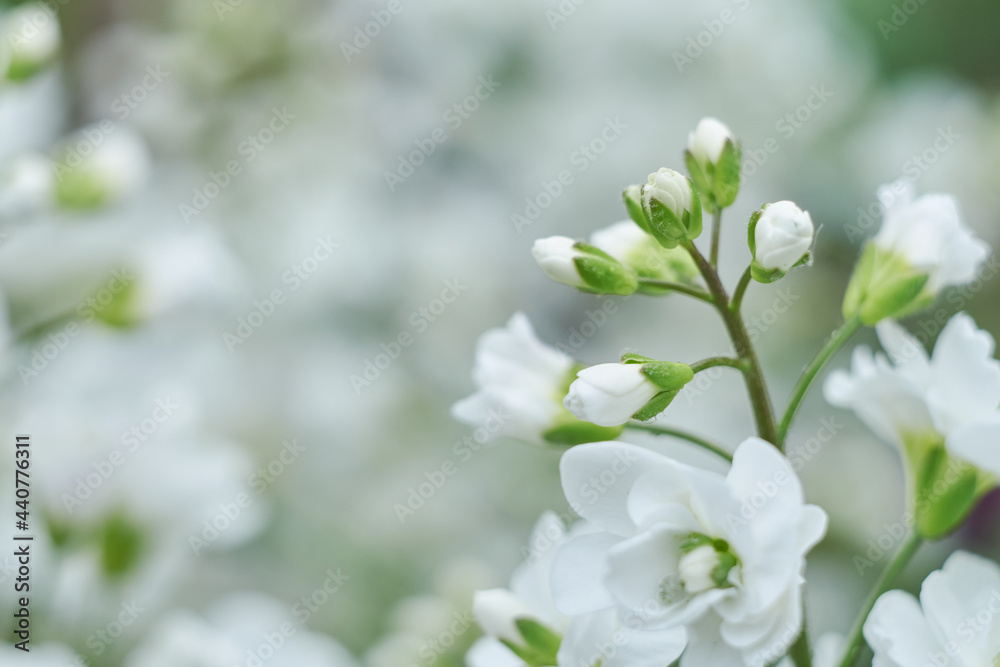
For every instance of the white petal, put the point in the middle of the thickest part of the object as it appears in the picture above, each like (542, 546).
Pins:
(597, 479)
(489, 652)
(966, 376)
(609, 394)
(898, 633)
(957, 598)
(978, 444)
(706, 647)
(905, 351)
(639, 566)
(578, 574)
(647, 648)
(496, 610)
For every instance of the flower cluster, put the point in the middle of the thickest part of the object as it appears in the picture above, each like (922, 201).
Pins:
(674, 562)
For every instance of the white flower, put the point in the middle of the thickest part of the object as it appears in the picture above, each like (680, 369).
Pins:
(649, 560)
(33, 38)
(954, 395)
(244, 628)
(956, 623)
(782, 236)
(557, 256)
(632, 246)
(26, 184)
(609, 394)
(521, 382)
(97, 167)
(587, 640)
(929, 232)
(670, 188)
(708, 140)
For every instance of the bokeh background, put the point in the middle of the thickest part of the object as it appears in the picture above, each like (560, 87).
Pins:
(220, 216)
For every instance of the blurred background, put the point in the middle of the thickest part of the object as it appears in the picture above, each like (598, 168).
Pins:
(220, 219)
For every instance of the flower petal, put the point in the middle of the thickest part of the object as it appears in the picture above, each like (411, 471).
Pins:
(578, 574)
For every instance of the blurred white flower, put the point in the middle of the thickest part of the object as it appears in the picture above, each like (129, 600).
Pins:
(783, 235)
(660, 519)
(244, 628)
(521, 382)
(708, 140)
(956, 622)
(26, 185)
(922, 247)
(99, 165)
(583, 641)
(638, 250)
(940, 412)
(906, 396)
(32, 37)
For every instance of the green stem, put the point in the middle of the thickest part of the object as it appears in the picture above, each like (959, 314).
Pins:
(753, 376)
(716, 235)
(801, 651)
(718, 450)
(885, 580)
(836, 341)
(741, 289)
(712, 362)
(696, 292)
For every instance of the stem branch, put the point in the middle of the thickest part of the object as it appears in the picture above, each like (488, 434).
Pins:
(885, 580)
(716, 234)
(718, 450)
(695, 292)
(741, 289)
(836, 341)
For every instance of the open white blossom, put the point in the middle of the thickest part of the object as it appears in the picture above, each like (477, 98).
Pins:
(930, 233)
(601, 638)
(682, 547)
(956, 622)
(521, 383)
(906, 396)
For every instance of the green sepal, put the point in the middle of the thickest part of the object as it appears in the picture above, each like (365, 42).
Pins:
(655, 406)
(122, 545)
(762, 275)
(860, 280)
(568, 433)
(602, 273)
(701, 178)
(695, 540)
(893, 299)
(633, 358)
(726, 181)
(632, 196)
(752, 230)
(946, 491)
(664, 224)
(541, 644)
(693, 218)
(720, 573)
(668, 375)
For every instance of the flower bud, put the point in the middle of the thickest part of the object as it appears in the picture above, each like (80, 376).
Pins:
(672, 207)
(583, 266)
(780, 236)
(612, 394)
(502, 615)
(639, 251)
(713, 160)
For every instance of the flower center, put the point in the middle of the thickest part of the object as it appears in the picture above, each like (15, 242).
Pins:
(706, 563)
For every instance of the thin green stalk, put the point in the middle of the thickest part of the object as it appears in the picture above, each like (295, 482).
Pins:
(741, 289)
(885, 580)
(801, 651)
(712, 362)
(754, 376)
(716, 234)
(696, 292)
(836, 341)
(708, 445)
